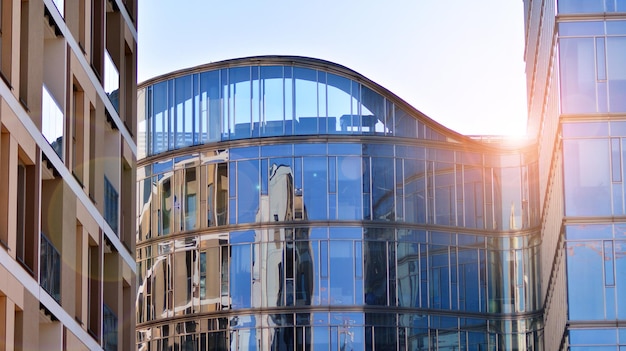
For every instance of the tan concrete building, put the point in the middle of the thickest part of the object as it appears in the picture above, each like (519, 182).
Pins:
(67, 174)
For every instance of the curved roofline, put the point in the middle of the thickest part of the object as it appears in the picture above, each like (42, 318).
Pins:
(272, 60)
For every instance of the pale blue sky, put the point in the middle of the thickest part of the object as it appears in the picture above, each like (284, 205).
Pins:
(458, 61)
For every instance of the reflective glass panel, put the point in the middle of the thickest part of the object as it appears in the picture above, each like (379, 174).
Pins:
(587, 177)
(240, 278)
(306, 100)
(576, 6)
(578, 78)
(272, 108)
(585, 286)
(342, 278)
(616, 51)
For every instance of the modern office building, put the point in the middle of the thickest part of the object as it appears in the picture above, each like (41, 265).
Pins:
(576, 73)
(67, 172)
(289, 203)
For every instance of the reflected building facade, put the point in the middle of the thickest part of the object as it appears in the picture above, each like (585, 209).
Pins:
(288, 203)
(575, 52)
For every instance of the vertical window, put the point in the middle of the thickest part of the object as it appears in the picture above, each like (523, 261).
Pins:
(78, 287)
(348, 187)
(111, 205)
(24, 48)
(202, 275)
(585, 280)
(587, 177)
(111, 81)
(383, 189)
(273, 105)
(615, 53)
(93, 287)
(109, 329)
(92, 151)
(6, 18)
(77, 133)
(21, 213)
(82, 16)
(191, 202)
(578, 75)
(184, 125)
(240, 276)
(306, 103)
(52, 121)
(241, 89)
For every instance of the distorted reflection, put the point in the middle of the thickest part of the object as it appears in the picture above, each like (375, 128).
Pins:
(283, 276)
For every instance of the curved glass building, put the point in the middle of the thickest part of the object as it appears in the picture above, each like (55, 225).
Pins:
(289, 203)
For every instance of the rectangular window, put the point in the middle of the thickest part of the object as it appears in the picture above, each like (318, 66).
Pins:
(50, 269)
(94, 288)
(616, 160)
(111, 80)
(52, 121)
(109, 329)
(600, 59)
(21, 213)
(6, 24)
(78, 122)
(111, 207)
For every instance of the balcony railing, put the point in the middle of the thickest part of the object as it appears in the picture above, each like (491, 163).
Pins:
(109, 329)
(50, 269)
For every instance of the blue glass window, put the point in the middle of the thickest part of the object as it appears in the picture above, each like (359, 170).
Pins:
(577, 6)
(315, 175)
(578, 75)
(383, 188)
(585, 285)
(273, 107)
(111, 206)
(587, 177)
(616, 51)
(160, 119)
(248, 190)
(348, 187)
(241, 96)
(306, 101)
(240, 277)
(184, 122)
(342, 273)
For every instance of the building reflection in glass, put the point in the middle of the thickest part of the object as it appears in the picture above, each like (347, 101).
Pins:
(283, 276)
(369, 228)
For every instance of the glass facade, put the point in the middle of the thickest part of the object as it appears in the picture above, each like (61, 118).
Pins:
(587, 255)
(592, 73)
(314, 210)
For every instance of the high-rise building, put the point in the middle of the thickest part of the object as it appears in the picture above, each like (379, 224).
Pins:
(576, 74)
(67, 172)
(288, 203)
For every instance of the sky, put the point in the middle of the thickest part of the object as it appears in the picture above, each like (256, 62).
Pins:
(460, 62)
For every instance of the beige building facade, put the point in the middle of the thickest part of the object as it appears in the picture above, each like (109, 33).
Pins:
(67, 173)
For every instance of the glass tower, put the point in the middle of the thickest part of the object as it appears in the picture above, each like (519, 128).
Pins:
(576, 72)
(288, 203)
